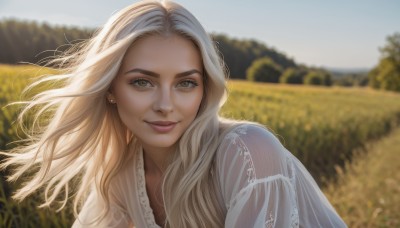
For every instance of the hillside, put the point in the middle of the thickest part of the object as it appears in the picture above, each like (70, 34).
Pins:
(28, 41)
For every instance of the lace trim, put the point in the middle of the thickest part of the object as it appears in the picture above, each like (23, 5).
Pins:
(292, 173)
(243, 151)
(270, 223)
(234, 134)
(294, 216)
(294, 220)
(143, 198)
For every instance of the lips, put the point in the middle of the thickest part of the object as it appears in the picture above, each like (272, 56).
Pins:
(162, 126)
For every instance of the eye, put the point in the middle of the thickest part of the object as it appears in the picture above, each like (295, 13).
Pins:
(188, 84)
(143, 83)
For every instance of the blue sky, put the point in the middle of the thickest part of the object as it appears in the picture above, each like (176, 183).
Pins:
(339, 34)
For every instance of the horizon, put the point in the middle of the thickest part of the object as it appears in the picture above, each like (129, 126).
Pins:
(312, 33)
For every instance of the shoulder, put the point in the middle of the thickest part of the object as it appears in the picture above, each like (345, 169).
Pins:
(251, 147)
(249, 155)
(255, 137)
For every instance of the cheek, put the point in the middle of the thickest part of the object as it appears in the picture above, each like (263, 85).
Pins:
(130, 104)
(190, 104)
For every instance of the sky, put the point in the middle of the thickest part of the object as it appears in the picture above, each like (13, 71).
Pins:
(333, 34)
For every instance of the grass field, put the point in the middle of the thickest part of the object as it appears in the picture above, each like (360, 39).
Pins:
(367, 193)
(321, 126)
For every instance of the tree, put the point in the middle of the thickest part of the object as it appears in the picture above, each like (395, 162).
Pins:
(352, 79)
(391, 51)
(387, 74)
(373, 78)
(313, 78)
(23, 41)
(239, 54)
(293, 76)
(326, 78)
(264, 70)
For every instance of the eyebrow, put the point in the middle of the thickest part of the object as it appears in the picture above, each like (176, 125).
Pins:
(153, 74)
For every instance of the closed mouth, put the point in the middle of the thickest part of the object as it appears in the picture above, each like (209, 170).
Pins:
(161, 123)
(162, 126)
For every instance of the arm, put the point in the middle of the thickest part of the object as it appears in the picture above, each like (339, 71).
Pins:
(264, 203)
(263, 185)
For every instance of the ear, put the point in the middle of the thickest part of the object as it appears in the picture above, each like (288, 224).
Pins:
(111, 98)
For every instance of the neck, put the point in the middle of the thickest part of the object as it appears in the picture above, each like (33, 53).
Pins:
(156, 159)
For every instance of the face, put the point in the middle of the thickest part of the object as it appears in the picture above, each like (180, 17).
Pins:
(158, 89)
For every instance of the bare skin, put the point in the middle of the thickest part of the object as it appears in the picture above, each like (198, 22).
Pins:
(154, 180)
(158, 92)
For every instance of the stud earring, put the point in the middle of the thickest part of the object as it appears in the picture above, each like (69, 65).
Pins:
(110, 98)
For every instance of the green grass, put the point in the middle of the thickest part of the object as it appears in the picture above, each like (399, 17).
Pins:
(13, 79)
(321, 126)
(367, 193)
(27, 213)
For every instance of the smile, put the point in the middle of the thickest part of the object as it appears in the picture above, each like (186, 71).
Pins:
(162, 126)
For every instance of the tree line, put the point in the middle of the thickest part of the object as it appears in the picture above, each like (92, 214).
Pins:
(386, 75)
(29, 41)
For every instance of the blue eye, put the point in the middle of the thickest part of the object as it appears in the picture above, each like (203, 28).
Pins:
(188, 84)
(141, 83)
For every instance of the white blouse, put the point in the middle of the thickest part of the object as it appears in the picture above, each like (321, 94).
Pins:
(261, 185)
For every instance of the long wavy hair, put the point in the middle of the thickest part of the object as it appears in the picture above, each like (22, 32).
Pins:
(84, 141)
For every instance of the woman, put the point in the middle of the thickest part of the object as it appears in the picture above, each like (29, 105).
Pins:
(135, 123)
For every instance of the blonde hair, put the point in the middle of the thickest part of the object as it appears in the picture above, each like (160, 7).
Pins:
(85, 139)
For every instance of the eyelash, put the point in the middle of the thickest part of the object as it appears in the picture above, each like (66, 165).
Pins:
(192, 82)
(135, 81)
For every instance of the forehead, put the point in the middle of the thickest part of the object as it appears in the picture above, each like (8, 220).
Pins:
(173, 50)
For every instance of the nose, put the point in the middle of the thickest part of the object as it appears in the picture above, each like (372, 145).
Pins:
(163, 101)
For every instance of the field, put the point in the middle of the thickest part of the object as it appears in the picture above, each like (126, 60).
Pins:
(323, 127)
(367, 192)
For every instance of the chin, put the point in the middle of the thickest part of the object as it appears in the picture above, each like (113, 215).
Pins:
(161, 143)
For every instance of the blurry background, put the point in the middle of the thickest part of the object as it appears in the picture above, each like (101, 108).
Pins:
(338, 34)
(323, 76)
